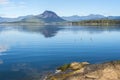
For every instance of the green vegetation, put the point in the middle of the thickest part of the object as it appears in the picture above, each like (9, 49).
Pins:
(101, 22)
(64, 67)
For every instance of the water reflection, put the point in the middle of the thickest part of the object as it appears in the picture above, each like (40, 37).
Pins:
(51, 31)
(3, 48)
(1, 61)
(31, 54)
(47, 31)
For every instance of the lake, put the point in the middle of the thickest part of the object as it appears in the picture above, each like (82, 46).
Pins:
(27, 52)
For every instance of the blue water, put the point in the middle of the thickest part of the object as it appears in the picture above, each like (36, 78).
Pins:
(33, 50)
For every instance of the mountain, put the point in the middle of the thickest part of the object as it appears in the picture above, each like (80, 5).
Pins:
(52, 17)
(92, 17)
(72, 18)
(3, 19)
(114, 17)
(79, 18)
(45, 17)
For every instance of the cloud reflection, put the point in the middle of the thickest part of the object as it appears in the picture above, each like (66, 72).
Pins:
(3, 49)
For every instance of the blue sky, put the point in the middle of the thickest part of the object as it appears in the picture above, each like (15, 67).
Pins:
(15, 8)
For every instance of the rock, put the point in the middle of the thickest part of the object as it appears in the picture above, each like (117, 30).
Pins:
(110, 74)
(93, 75)
(83, 71)
(72, 66)
(76, 65)
(58, 71)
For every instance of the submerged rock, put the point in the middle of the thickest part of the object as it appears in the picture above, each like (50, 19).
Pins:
(86, 71)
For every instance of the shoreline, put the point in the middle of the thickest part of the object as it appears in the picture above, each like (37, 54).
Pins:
(86, 71)
(67, 23)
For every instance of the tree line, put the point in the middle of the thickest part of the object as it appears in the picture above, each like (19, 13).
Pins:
(97, 22)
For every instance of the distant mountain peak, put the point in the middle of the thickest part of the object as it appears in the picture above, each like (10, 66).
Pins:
(51, 17)
(45, 17)
(48, 14)
(96, 15)
(88, 17)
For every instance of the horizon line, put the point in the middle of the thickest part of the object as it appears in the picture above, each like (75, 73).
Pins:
(57, 14)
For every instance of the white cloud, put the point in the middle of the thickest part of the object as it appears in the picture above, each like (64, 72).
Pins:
(2, 2)
(12, 7)
(2, 14)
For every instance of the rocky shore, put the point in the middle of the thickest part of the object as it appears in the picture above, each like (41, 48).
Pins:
(87, 71)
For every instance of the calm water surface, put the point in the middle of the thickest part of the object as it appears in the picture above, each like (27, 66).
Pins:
(28, 51)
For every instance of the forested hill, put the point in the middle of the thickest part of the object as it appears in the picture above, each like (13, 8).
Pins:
(97, 22)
